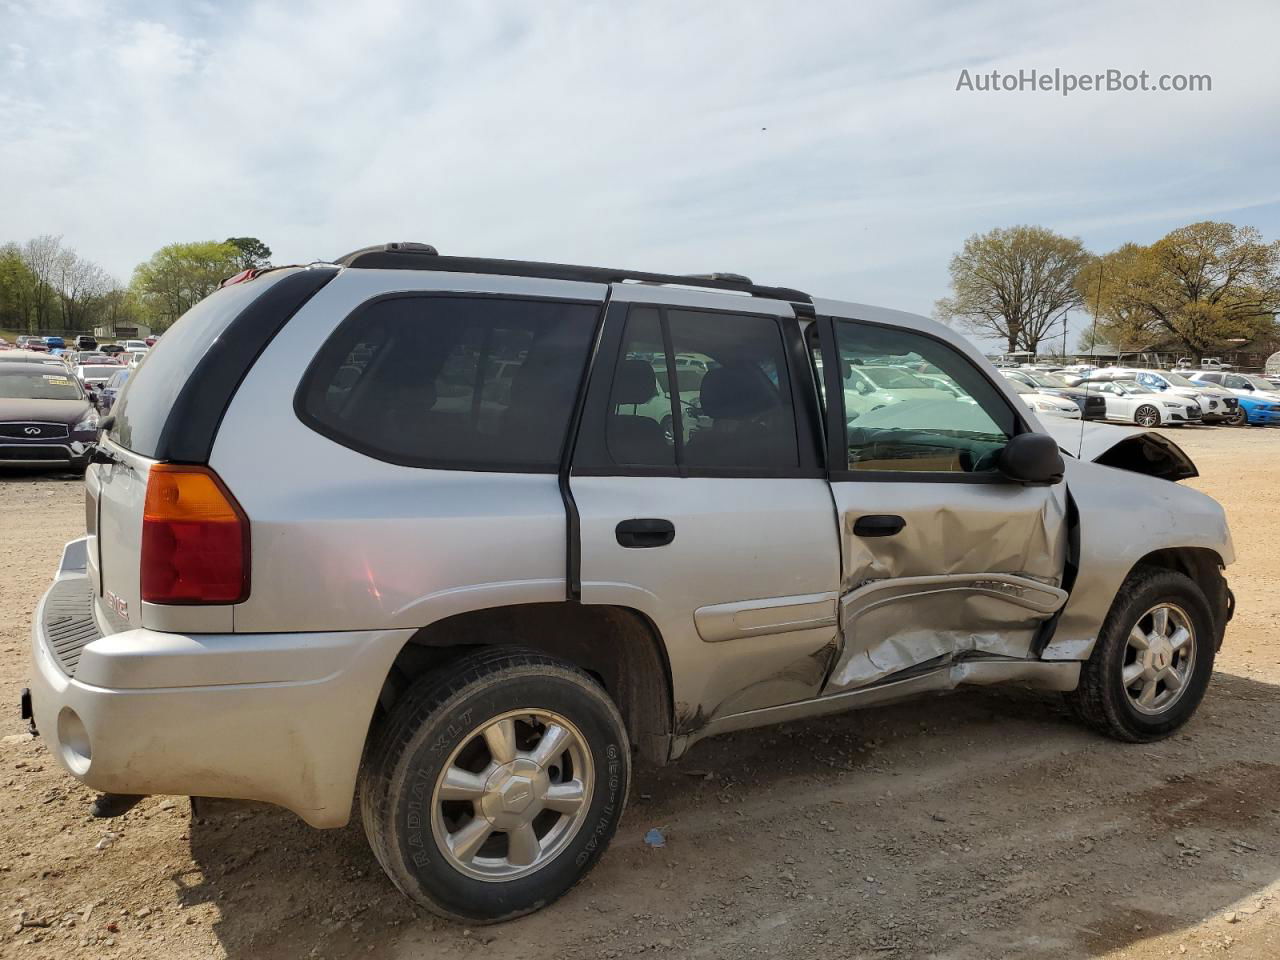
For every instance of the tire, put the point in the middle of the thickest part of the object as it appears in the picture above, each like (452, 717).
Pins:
(1102, 700)
(1147, 416)
(418, 836)
(1241, 418)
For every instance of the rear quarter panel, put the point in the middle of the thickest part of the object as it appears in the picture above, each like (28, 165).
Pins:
(342, 541)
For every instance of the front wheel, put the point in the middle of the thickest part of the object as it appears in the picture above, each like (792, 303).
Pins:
(1147, 416)
(494, 785)
(1152, 660)
(1239, 417)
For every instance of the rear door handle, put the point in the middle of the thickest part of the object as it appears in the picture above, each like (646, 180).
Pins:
(645, 533)
(878, 525)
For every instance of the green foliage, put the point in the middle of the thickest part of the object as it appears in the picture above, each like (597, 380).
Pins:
(253, 252)
(179, 276)
(1016, 283)
(1198, 287)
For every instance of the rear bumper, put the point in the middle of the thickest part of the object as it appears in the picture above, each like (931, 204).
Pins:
(280, 718)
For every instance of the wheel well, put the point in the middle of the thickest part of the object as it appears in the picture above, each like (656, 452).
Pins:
(1204, 566)
(618, 646)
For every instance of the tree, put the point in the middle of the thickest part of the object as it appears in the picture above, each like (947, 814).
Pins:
(1198, 286)
(1016, 283)
(41, 257)
(179, 276)
(253, 252)
(17, 290)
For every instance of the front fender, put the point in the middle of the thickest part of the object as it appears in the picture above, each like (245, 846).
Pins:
(1125, 516)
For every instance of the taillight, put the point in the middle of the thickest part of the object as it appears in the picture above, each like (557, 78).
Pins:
(195, 538)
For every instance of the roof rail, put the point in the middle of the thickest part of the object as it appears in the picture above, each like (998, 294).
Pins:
(422, 256)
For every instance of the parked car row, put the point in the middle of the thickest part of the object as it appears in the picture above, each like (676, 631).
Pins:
(1153, 398)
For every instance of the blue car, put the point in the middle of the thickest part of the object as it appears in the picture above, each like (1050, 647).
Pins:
(1258, 410)
(111, 389)
(52, 342)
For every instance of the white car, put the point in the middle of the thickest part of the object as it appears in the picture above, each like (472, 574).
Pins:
(1216, 404)
(1045, 402)
(96, 374)
(1241, 384)
(871, 387)
(1130, 401)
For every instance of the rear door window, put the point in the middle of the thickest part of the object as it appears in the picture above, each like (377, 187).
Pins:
(454, 382)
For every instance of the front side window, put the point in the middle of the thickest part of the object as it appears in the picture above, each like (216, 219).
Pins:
(896, 419)
(457, 382)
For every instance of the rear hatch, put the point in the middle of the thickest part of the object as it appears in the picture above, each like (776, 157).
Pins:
(168, 412)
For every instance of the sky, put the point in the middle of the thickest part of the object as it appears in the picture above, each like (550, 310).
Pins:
(818, 145)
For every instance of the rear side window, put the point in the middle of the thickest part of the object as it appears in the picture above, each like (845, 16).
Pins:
(456, 382)
(143, 408)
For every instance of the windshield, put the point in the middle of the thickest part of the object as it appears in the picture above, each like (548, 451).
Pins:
(1261, 384)
(893, 379)
(118, 379)
(1019, 387)
(1178, 380)
(28, 385)
(1131, 386)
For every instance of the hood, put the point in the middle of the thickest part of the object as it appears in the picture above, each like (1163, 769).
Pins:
(1126, 448)
(69, 412)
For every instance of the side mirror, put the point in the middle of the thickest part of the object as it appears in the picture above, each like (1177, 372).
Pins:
(1033, 459)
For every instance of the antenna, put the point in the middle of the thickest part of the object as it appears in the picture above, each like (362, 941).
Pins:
(1093, 353)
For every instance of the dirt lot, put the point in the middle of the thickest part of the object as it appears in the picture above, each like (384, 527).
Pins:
(985, 824)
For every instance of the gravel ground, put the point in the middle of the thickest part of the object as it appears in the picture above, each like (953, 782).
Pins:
(985, 824)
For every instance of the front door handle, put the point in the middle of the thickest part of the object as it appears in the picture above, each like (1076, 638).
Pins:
(878, 525)
(645, 533)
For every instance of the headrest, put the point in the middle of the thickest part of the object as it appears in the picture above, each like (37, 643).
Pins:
(737, 391)
(634, 382)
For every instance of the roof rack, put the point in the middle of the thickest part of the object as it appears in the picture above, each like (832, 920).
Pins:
(422, 256)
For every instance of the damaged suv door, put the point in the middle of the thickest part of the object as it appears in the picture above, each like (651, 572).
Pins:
(947, 564)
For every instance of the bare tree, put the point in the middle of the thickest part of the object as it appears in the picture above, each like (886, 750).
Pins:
(1015, 283)
(41, 258)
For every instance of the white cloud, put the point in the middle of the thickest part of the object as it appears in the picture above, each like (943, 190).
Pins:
(817, 145)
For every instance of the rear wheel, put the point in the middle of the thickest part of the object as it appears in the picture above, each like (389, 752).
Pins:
(493, 786)
(1239, 417)
(1147, 416)
(1152, 661)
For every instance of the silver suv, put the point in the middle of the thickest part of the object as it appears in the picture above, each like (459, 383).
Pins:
(434, 532)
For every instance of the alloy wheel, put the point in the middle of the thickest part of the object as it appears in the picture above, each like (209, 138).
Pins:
(1159, 658)
(1147, 416)
(513, 795)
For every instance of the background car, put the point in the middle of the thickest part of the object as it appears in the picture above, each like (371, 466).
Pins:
(1131, 401)
(30, 356)
(1046, 402)
(111, 389)
(95, 375)
(1241, 384)
(86, 342)
(1258, 410)
(134, 344)
(1216, 404)
(1091, 406)
(46, 417)
(55, 343)
(113, 349)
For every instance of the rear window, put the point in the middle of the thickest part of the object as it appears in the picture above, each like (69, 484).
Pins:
(143, 407)
(455, 382)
